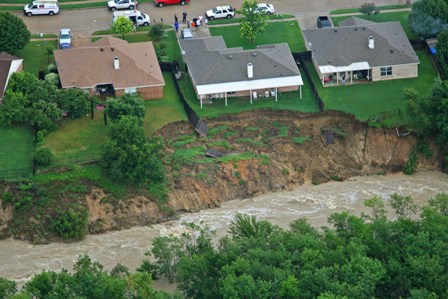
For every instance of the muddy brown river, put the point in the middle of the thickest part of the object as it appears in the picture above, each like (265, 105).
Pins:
(19, 260)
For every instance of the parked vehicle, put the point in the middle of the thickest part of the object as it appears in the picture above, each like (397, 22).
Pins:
(161, 3)
(186, 34)
(323, 22)
(47, 7)
(65, 39)
(135, 16)
(265, 8)
(220, 12)
(121, 4)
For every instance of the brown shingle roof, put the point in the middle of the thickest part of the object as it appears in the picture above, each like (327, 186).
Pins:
(89, 66)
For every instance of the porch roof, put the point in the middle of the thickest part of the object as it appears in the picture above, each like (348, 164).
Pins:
(356, 66)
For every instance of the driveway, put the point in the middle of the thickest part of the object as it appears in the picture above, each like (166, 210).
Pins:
(90, 20)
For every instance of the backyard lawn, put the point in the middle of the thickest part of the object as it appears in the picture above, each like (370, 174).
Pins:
(276, 32)
(372, 99)
(37, 55)
(79, 140)
(401, 16)
(286, 101)
(16, 151)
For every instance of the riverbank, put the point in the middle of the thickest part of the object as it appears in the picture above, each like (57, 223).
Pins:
(265, 152)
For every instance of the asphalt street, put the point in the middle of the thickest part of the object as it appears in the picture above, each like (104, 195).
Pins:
(86, 21)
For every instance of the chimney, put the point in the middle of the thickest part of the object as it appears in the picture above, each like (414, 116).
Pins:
(371, 42)
(250, 70)
(116, 63)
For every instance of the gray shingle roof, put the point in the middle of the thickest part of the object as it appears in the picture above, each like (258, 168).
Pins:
(211, 62)
(344, 45)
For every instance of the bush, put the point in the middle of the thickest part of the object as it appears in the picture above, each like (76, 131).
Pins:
(411, 165)
(51, 68)
(52, 78)
(70, 224)
(156, 32)
(368, 8)
(43, 157)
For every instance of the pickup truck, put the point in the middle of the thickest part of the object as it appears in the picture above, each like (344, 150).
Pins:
(323, 22)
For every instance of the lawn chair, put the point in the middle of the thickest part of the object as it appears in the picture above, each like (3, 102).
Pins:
(254, 95)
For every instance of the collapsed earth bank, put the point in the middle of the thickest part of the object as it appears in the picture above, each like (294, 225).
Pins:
(265, 151)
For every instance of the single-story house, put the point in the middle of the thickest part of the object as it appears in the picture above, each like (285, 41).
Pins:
(8, 65)
(111, 66)
(218, 72)
(360, 50)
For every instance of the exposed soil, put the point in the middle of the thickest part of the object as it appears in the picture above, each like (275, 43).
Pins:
(265, 152)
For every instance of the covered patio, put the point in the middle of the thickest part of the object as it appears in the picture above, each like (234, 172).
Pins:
(351, 74)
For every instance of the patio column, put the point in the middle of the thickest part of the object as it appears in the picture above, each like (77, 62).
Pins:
(323, 79)
(337, 79)
(368, 75)
(276, 93)
(300, 88)
(351, 77)
(250, 96)
(225, 98)
(201, 100)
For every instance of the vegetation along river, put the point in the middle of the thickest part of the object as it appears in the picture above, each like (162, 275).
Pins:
(19, 260)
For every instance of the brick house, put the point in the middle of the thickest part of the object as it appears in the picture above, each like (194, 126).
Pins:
(112, 67)
(218, 72)
(361, 51)
(8, 65)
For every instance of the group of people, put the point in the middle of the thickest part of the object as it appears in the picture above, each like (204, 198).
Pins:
(196, 22)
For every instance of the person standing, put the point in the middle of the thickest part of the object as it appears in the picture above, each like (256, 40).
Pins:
(188, 24)
(184, 17)
(176, 26)
(175, 19)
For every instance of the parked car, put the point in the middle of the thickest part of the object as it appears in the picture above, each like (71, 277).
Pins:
(266, 8)
(65, 38)
(323, 22)
(44, 7)
(161, 3)
(186, 34)
(135, 16)
(121, 4)
(220, 12)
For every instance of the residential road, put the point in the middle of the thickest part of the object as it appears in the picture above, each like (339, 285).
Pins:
(86, 21)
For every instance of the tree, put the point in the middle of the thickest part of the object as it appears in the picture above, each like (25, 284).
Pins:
(73, 102)
(129, 104)
(128, 155)
(428, 17)
(156, 32)
(122, 25)
(7, 288)
(13, 33)
(252, 22)
(442, 51)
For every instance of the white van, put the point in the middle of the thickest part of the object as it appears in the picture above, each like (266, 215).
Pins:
(42, 7)
(135, 16)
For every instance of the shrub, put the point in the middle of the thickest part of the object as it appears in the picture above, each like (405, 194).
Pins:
(156, 32)
(51, 68)
(70, 224)
(368, 8)
(43, 157)
(411, 165)
(52, 78)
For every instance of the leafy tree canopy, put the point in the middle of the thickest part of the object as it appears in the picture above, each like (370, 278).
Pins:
(13, 33)
(128, 104)
(442, 51)
(252, 22)
(122, 25)
(428, 17)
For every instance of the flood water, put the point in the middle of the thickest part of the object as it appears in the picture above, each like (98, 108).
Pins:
(20, 260)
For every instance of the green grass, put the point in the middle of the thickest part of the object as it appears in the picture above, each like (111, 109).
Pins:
(401, 16)
(35, 55)
(16, 150)
(46, 35)
(276, 32)
(373, 99)
(381, 8)
(162, 112)
(82, 5)
(237, 20)
(78, 139)
(286, 101)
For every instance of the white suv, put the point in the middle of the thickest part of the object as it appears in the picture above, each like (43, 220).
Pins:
(220, 12)
(121, 4)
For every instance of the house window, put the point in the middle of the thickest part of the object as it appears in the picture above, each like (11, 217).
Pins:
(130, 90)
(386, 71)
